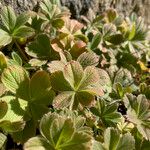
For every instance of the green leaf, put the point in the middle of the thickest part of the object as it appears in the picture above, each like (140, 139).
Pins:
(104, 81)
(63, 100)
(36, 24)
(84, 97)
(8, 17)
(58, 23)
(77, 49)
(145, 89)
(145, 145)
(90, 77)
(79, 140)
(78, 120)
(46, 6)
(73, 73)
(88, 59)
(3, 61)
(3, 109)
(124, 77)
(3, 138)
(23, 32)
(37, 62)
(40, 48)
(13, 118)
(22, 19)
(97, 145)
(119, 89)
(34, 110)
(59, 83)
(132, 32)
(113, 140)
(56, 66)
(16, 58)
(95, 41)
(52, 13)
(62, 134)
(2, 89)
(115, 39)
(138, 113)
(37, 143)
(65, 133)
(28, 132)
(13, 27)
(75, 86)
(16, 79)
(111, 15)
(107, 113)
(37, 91)
(5, 38)
(40, 88)
(41, 95)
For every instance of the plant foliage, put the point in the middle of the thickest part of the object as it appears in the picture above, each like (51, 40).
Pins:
(68, 85)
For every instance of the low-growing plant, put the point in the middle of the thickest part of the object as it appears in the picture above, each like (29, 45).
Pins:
(68, 85)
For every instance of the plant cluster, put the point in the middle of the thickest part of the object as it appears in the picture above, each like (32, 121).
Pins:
(67, 85)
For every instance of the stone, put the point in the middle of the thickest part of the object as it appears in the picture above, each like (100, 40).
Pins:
(88, 8)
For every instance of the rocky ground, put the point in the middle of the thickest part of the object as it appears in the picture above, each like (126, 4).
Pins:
(89, 7)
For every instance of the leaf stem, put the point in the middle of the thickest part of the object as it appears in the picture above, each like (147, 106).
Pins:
(25, 58)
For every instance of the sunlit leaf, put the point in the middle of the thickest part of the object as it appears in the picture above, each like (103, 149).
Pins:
(2, 139)
(62, 135)
(114, 140)
(13, 117)
(138, 112)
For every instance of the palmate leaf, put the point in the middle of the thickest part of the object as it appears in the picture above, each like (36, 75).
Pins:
(13, 26)
(36, 91)
(47, 5)
(138, 112)
(52, 13)
(71, 32)
(107, 113)
(113, 140)
(85, 59)
(75, 86)
(59, 132)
